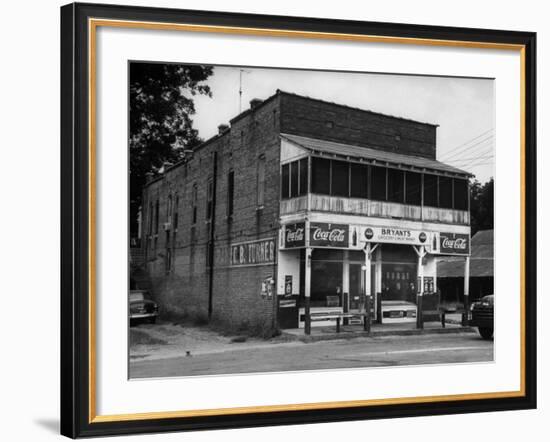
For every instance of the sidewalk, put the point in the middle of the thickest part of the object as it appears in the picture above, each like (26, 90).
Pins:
(452, 325)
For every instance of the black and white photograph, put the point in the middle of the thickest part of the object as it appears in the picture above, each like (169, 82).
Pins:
(288, 220)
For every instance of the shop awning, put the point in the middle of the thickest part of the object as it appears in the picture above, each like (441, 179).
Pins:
(324, 147)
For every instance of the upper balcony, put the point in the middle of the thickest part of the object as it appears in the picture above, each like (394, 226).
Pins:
(320, 176)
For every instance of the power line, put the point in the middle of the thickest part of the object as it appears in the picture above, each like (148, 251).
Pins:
(466, 149)
(467, 142)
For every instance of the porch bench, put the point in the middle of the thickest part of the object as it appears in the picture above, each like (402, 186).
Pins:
(338, 317)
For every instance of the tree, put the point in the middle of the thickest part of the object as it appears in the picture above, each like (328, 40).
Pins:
(161, 128)
(481, 206)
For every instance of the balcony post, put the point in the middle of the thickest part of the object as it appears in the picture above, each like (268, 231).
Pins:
(466, 313)
(307, 291)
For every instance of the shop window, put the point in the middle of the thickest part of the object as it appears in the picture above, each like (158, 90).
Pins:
(358, 181)
(340, 178)
(412, 188)
(320, 176)
(378, 183)
(430, 190)
(445, 192)
(460, 194)
(230, 192)
(260, 194)
(294, 179)
(326, 275)
(285, 181)
(303, 177)
(396, 186)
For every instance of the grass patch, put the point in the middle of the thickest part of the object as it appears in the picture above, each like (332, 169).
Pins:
(139, 337)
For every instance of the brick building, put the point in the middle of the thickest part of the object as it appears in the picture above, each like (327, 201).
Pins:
(301, 203)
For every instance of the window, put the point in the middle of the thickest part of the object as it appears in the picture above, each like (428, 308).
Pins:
(230, 192)
(285, 181)
(358, 180)
(157, 217)
(260, 196)
(209, 198)
(150, 218)
(413, 182)
(294, 179)
(396, 185)
(176, 212)
(194, 204)
(460, 190)
(378, 183)
(302, 190)
(445, 192)
(169, 209)
(340, 178)
(430, 190)
(320, 176)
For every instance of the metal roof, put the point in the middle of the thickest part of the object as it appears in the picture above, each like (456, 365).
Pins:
(359, 152)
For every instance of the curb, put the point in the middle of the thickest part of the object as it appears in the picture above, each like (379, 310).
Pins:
(378, 333)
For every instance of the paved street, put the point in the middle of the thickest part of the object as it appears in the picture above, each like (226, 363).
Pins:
(358, 352)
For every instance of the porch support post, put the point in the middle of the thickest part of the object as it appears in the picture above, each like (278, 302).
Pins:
(368, 276)
(466, 313)
(307, 290)
(421, 252)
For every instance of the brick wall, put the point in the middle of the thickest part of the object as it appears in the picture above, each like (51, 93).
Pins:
(328, 121)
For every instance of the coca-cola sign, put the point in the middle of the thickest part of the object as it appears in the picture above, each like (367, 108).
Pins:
(295, 235)
(328, 235)
(454, 243)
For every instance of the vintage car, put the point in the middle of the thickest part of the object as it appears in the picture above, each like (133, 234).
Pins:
(141, 307)
(483, 316)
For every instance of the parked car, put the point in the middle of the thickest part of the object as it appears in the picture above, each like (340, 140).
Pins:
(141, 307)
(483, 316)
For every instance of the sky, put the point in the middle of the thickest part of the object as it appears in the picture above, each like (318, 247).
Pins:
(462, 107)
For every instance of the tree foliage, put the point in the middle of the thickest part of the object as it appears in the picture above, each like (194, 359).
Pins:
(161, 127)
(481, 206)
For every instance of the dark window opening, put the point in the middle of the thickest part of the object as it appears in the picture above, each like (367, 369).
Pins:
(303, 177)
(209, 198)
(340, 178)
(285, 181)
(413, 182)
(320, 176)
(261, 181)
(359, 181)
(294, 179)
(430, 190)
(194, 204)
(378, 183)
(396, 186)
(460, 194)
(445, 192)
(157, 217)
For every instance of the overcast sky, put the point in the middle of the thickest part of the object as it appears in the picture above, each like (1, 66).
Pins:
(463, 108)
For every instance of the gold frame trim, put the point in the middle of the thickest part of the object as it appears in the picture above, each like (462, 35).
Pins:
(93, 24)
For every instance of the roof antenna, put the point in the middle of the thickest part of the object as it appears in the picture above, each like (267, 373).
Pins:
(241, 87)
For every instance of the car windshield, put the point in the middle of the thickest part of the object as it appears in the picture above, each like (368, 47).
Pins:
(137, 296)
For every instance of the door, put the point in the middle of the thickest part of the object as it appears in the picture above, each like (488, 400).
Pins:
(356, 285)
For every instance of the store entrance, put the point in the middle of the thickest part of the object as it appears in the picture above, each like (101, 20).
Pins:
(356, 284)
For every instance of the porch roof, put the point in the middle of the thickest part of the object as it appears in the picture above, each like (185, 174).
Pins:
(370, 154)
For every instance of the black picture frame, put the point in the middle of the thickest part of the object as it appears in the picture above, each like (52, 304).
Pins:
(76, 418)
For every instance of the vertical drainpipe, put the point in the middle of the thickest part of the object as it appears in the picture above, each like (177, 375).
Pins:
(212, 229)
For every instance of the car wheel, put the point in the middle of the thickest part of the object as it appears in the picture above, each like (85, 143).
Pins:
(486, 332)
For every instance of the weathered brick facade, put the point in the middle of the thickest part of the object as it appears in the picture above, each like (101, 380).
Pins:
(176, 248)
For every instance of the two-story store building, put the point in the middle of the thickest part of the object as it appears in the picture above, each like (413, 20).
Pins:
(301, 205)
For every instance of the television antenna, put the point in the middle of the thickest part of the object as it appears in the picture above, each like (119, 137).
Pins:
(241, 71)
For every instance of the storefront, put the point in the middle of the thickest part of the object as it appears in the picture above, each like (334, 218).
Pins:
(328, 268)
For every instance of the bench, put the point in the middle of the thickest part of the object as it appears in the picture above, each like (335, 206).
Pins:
(338, 317)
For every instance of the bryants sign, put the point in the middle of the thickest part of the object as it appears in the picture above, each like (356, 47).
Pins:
(454, 243)
(328, 235)
(295, 235)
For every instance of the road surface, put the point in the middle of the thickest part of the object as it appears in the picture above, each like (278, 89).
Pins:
(357, 352)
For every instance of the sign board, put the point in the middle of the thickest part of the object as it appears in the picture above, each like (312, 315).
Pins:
(328, 235)
(295, 235)
(393, 235)
(252, 253)
(288, 284)
(454, 243)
